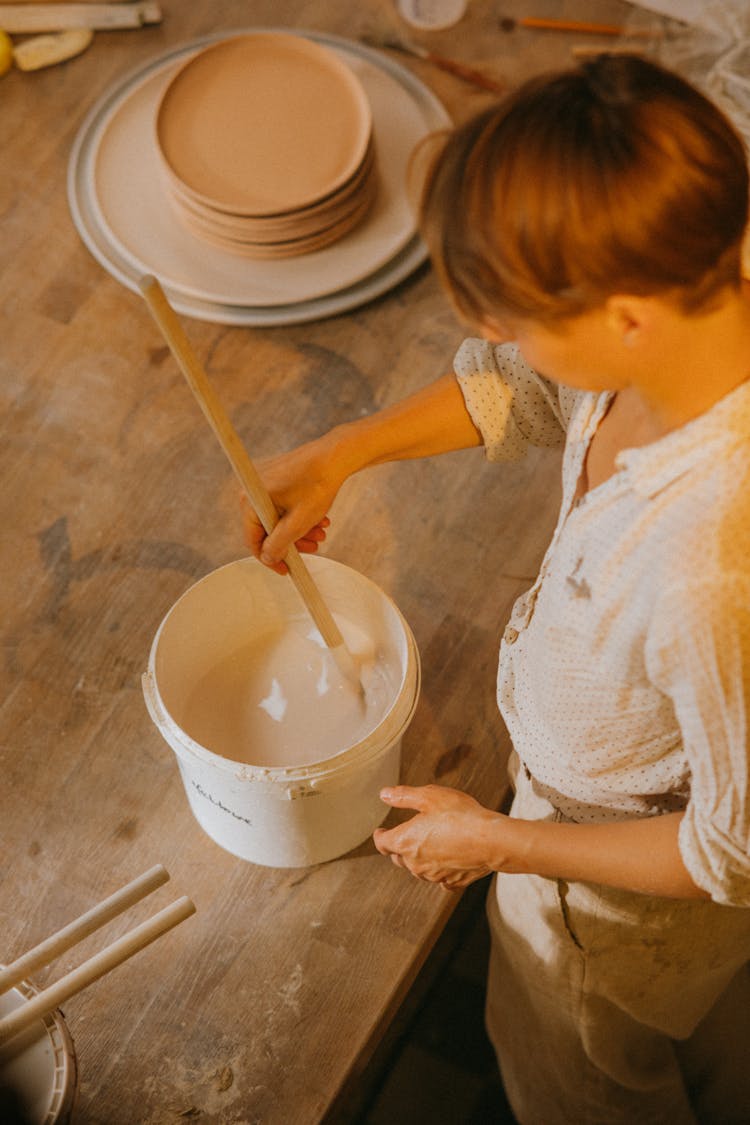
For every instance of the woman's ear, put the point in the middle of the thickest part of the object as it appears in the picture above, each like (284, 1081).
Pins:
(629, 317)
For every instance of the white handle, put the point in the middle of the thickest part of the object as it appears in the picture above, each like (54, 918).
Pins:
(25, 18)
(96, 966)
(76, 931)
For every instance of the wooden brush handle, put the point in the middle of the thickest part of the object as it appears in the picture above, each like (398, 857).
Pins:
(76, 931)
(467, 73)
(78, 979)
(236, 454)
(585, 28)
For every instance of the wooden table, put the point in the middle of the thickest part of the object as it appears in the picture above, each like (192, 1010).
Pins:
(266, 1005)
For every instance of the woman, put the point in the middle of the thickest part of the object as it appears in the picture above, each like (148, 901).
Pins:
(595, 219)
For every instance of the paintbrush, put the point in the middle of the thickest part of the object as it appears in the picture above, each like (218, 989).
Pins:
(587, 50)
(451, 66)
(540, 23)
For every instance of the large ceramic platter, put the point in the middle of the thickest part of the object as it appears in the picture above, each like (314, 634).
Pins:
(122, 211)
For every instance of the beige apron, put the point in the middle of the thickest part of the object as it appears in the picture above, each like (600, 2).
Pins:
(609, 1007)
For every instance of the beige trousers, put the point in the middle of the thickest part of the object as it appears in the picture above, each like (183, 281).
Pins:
(612, 1008)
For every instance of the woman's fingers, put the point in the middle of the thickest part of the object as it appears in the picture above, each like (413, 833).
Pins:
(305, 538)
(270, 549)
(444, 842)
(311, 540)
(252, 529)
(405, 797)
(303, 484)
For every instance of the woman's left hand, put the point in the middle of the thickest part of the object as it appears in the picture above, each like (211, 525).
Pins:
(446, 842)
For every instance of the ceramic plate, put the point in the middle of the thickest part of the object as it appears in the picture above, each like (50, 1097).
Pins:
(262, 124)
(276, 248)
(121, 211)
(310, 228)
(292, 225)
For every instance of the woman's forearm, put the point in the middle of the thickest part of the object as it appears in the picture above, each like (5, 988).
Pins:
(638, 855)
(454, 840)
(431, 421)
(304, 482)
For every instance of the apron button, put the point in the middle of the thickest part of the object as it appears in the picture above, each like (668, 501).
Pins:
(510, 636)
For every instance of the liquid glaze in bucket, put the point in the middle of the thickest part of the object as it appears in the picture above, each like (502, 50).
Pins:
(318, 803)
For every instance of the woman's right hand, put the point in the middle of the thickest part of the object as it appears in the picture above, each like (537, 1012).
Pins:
(303, 484)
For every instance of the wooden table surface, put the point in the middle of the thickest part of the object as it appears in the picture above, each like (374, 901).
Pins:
(266, 1004)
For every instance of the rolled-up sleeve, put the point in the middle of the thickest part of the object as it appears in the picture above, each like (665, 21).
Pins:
(703, 657)
(511, 405)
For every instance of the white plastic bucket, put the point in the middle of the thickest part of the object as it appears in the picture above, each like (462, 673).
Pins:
(280, 815)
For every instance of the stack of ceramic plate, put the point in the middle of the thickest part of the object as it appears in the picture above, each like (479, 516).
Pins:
(267, 145)
(124, 206)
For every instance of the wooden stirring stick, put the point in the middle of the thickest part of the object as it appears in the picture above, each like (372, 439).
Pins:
(245, 470)
(96, 966)
(64, 939)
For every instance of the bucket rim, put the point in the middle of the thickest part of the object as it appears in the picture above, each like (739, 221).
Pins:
(351, 756)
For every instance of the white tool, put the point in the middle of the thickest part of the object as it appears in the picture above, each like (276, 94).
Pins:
(22, 18)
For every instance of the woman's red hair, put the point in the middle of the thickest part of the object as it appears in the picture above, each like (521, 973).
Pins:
(615, 177)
